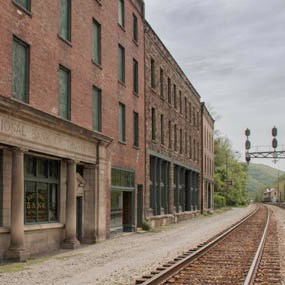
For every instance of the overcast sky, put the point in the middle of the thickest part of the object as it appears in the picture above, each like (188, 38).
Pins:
(233, 52)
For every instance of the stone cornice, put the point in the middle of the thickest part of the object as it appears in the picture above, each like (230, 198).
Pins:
(14, 107)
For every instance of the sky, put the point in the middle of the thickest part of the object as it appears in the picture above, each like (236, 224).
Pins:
(233, 52)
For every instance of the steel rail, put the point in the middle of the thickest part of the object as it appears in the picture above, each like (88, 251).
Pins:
(256, 261)
(171, 270)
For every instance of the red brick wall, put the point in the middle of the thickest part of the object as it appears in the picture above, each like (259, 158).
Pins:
(47, 51)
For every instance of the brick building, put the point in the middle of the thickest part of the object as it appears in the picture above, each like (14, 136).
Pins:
(173, 137)
(71, 122)
(207, 155)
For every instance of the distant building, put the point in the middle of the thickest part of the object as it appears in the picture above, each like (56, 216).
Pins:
(271, 196)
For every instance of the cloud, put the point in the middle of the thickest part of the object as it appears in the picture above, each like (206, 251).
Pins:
(233, 51)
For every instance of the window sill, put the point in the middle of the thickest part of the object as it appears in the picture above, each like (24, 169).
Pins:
(136, 147)
(37, 227)
(121, 142)
(122, 27)
(135, 42)
(153, 90)
(97, 64)
(122, 83)
(4, 230)
(64, 40)
(136, 94)
(99, 2)
(23, 9)
(154, 141)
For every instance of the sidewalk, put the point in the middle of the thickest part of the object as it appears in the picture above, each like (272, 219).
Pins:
(122, 259)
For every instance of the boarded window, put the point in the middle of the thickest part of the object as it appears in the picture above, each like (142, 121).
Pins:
(136, 76)
(162, 129)
(1, 188)
(96, 109)
(20, 70)
(26, 4)
(65, 19)
(136, 129)
(121, 13)
(96, 42)
(122, 122)
(153, 124)
(169, 90)
(152, 73)
(135, 27)
(121, 66)
(64, 92)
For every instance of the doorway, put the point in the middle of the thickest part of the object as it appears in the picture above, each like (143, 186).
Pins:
(140, 206)
(79, 212)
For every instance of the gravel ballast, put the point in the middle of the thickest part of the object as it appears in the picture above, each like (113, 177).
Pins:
(123, 259)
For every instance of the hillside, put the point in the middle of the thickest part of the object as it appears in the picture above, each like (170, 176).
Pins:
(260, 176)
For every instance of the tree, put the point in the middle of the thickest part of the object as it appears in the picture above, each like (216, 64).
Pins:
(230, 174)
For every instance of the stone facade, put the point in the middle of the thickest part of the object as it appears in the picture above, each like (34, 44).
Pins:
(207, 162)
(173, 137)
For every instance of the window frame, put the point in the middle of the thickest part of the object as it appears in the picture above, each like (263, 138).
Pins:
(68, 71)
(121, 13)
(99, 55)
(27, 79)
(153, 124)
(122, 123)
(152, 74)
(62, 36)
(135, 28)
(122, 57)
(26, 9)
(135, 76)
(99, 118)
(136, 129)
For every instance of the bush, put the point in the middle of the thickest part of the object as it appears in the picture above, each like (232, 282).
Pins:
(219, 201)
(146, 225)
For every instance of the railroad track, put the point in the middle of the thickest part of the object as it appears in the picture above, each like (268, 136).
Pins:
(233, 257)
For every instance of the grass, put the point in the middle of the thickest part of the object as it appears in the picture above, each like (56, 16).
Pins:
(21, 266)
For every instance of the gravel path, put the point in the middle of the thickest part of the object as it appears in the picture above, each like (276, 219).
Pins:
(279, 214)
(123, 259)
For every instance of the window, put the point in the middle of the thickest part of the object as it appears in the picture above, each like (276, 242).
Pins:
(161, 83)
(65, 20)
(185, 103)
(122, 122)
(26, 4)
(121, 69)
(135, 27)
(96, 42)
(190, 142)
(181, 142)
(169, 135)
(153, 124)
(175, 96)
(136, 129)
(121, 13)
(20, 70)
(136, 76)
(175, 137)
(186, 144)
(180, 101)
(152, 73)
(1, 188)
(122, 178)
(162, 129)
(169, 90)
(96, 109)
(64, 92)
(41, 190)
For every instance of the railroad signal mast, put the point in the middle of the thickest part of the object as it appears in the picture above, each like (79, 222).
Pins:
(275, 154)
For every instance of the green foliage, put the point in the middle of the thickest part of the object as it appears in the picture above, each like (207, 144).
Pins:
(146, 226)
(219, 201)
(261, 177)
(230, 174)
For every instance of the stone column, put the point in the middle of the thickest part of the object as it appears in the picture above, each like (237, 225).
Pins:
(17, 249)
(171, 189)
(70, 241)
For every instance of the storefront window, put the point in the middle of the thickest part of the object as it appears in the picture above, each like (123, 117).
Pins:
(41, 190)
